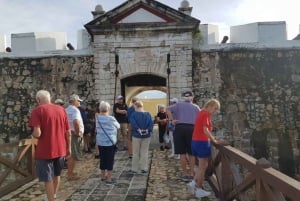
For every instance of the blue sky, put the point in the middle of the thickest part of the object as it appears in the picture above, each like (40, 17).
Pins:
(69, 16)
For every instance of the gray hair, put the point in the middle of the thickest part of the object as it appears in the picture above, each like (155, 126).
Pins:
(43, 95)
(104, 106)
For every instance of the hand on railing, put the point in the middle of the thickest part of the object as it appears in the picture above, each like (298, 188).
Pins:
(220, 142)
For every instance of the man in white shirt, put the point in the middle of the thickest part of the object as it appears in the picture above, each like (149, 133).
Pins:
(77, 129)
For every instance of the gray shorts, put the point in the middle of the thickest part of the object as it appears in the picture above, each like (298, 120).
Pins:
(47, 169)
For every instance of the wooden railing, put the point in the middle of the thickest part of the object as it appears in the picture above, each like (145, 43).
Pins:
(16, 165)
(234, 175)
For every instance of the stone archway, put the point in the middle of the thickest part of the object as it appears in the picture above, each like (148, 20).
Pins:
(135, 84)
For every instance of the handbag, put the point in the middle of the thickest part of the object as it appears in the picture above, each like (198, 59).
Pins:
(114, 145)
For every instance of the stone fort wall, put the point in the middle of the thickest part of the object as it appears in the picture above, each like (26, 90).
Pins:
(258, 88)
(21, 78)
(259, 92)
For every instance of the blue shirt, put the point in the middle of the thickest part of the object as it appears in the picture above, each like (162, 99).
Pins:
(141, 120)
(130, 111)
(110, 126)
(185, 112)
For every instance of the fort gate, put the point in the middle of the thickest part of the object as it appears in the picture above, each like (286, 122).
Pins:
(142, 43)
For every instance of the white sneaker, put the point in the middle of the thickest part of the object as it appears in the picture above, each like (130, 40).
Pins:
(46, 198)
(191, 186)
(200, 193)
(171, 156)
(177, 156)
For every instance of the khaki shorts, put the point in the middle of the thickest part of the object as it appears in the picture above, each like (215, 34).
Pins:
(122, 132)
(75, 146)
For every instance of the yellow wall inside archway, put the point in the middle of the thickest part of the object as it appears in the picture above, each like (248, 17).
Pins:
(151, 105)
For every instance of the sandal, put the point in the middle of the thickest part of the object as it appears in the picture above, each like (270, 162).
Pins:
(113, 181)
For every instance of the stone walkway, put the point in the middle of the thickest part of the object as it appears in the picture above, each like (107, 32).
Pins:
(162, 183)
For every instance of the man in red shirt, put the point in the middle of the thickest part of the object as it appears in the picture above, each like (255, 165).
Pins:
(51, 128)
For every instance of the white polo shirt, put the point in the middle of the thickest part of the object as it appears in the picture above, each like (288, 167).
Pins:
(74, 113)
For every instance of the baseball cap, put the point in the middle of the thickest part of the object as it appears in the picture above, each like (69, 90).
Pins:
(120, 97)
(75, 97)
(83, 103)
(59, 101)
(187, 94)
(174, 100)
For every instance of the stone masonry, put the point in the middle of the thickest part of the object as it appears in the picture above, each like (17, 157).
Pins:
(21, 78)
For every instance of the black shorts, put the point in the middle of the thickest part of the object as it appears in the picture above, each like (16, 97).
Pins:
(107, 157)
(88, 129)
(183, 138)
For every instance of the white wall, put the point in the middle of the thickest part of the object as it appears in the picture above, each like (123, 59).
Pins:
(259, 32)
(2, 43)
(83, 39)
(33, 42)
(23, 42)
(210, 33)
(244, 33)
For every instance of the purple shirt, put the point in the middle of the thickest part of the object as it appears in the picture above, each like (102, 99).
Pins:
(185, 112)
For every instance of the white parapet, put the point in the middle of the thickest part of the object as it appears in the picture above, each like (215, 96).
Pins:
(2, 43)
(210, 34)
(83, 39)
(35, 42)
(259, 32)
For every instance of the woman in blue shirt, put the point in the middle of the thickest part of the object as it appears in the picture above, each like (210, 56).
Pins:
(106, 138)
(142, 127)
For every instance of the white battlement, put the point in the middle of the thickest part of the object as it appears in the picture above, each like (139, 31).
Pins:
(37, 42)
(210, 33)
(2, 43)
(259, 32)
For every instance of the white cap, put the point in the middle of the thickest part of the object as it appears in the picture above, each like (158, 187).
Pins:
(119, 97)
(174, 100)
(75, 97)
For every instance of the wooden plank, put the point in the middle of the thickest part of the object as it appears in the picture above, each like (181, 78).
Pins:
(13, 165)
(281, 182)
(241, 187)
(270, 192)
(227, 178)
(13, 186)
(9, 145)
(240, 157)
(213, 182)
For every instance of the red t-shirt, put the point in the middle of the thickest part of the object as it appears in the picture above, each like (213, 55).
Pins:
(53, 122)
(202, 120)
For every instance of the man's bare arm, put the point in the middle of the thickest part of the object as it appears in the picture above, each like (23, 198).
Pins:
(36, 132)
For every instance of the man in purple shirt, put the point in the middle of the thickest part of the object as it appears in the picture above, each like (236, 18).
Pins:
(185, 113)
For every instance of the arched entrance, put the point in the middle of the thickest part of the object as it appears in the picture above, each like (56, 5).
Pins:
(133, 85)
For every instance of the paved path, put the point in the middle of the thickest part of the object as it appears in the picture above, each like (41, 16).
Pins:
(162, 183)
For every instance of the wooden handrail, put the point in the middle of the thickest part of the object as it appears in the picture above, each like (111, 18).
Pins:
(25, 148)
(267, 183)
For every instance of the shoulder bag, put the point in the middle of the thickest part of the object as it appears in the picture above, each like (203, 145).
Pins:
(114, 145)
